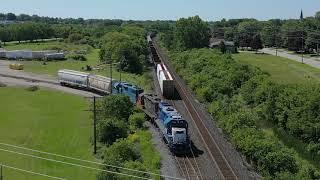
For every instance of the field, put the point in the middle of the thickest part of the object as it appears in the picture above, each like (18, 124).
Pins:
(282, 70)
(92, 60)
(49, 121)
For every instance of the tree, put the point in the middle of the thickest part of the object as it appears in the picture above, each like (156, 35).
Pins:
(246, 31)
(223, 48)
(292, 31)
(75, 37)
(256, 42)
(111, 129)
(118, 154)
(192, 33)
(127, 47)
(270, 34)
(118, 106)
(11, 17)
(317, 16)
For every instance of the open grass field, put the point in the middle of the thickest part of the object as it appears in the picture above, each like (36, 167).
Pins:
(92, 60)
(49, 121)
(282, 70)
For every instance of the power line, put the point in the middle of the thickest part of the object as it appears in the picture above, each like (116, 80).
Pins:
(87, 161)
(30, 172)
(73, 164)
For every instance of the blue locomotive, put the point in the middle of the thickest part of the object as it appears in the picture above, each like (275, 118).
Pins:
(127, 89)
(170, 122)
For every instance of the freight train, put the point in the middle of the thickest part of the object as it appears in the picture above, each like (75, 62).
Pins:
(173, 127)
(171, 124)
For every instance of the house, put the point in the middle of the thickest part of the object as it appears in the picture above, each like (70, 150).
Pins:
(230, 45)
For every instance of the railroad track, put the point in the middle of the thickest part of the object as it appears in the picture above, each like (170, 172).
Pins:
(226, 171)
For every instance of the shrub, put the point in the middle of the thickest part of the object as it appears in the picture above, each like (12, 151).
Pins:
(33, 88)
(137, 120)
(77, 57)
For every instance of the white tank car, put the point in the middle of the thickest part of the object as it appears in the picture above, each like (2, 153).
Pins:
(100, 83)
(73, 78)
(165, 81)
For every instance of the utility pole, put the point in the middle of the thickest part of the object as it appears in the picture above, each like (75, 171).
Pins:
(302, 48)
(94, 110)
(111, 77)
(317, 49)
(1, 175)
(94, 126)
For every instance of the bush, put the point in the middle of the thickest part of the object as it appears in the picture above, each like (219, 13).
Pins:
(109, 130)
(136, 121)
(32, 88)
(77, 57)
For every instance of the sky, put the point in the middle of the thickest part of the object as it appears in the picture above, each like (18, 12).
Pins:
(210, 10)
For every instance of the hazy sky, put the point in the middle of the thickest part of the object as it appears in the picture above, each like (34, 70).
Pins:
(163, 9)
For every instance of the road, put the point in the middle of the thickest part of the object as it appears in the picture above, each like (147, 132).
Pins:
(314, 62)
(20, 78)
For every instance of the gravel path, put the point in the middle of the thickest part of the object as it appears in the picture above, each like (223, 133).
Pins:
(310, 61)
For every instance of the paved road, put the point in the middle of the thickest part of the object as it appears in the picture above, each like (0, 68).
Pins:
(20, 78)
(310, 61)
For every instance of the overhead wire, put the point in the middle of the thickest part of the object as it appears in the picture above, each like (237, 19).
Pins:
(73, 164)
(31, 172)
(87, 161)
(68, 157)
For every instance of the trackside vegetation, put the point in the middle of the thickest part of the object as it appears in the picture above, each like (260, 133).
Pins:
(242, 99)
(240, 96)
(124, 140)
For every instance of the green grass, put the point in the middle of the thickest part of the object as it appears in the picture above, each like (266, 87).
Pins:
(49, 121)
(151, 157)
(282, 70)
(50, 45)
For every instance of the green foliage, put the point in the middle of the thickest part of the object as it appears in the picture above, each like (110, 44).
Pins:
(118, 106)
(119, 153)
(192, 33)
(241, 96)
(256, 42)
(137, 120)
(75, 37)
(127, 47)
(109, 130)
(77, 57)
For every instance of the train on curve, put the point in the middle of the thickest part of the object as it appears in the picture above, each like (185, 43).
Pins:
(172, 125)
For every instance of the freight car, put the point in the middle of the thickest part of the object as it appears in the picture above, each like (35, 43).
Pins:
(84, 80)
(173, 127)
(154, 54)
(73, 78)
(165, 81)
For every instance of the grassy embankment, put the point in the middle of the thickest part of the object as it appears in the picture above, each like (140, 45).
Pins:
(92, 59)
(49, 121)
(284, 71)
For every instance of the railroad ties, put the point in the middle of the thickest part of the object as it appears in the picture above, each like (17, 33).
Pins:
(185, 163)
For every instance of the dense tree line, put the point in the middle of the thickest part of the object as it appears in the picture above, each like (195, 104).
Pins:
(241, 96)
(294, 34)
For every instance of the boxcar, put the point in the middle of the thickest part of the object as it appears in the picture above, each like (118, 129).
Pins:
(165, 81)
